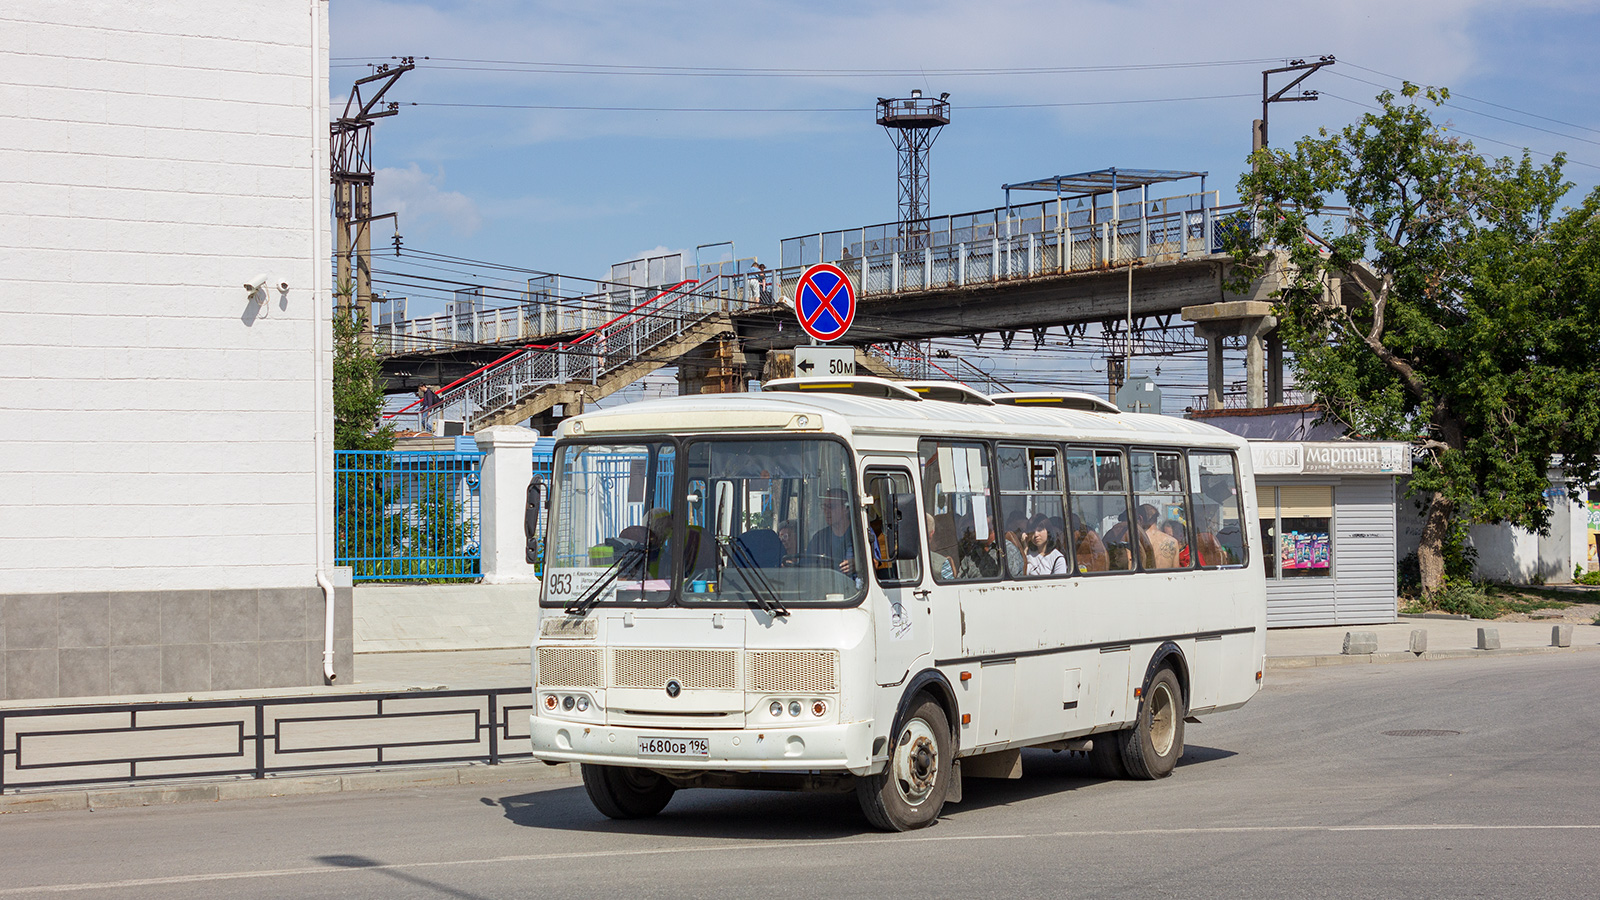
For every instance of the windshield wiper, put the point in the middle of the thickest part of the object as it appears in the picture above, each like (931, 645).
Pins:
(591, 595)
(762, 594)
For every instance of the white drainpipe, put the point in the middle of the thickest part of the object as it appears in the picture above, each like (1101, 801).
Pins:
(319, 220)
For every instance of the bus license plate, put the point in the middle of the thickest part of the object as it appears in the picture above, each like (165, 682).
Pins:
(673, 746)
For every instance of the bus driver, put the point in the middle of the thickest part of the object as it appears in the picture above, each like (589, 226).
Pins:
(834, 540)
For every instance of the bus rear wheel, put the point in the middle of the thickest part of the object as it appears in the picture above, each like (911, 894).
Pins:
(910, 790)
(625, 792)
(1150, 749)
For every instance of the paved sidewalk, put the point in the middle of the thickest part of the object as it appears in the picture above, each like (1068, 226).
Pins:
(1448, 638)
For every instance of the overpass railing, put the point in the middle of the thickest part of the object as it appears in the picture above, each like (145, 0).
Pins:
(1030, 241)
(550, 307)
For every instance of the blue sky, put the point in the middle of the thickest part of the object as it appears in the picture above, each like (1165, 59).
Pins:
(574, 190)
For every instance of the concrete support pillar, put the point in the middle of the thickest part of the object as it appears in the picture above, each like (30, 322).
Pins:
(1213, 370)
(1255, 369)
(503, 498)
(1254, 321)
(1274, 369)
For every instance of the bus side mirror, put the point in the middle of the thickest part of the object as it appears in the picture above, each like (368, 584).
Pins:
(531, 517)
(905, 535)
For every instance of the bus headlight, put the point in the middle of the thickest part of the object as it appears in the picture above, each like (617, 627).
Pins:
(583, 704)
(794, 707)
(776, 708)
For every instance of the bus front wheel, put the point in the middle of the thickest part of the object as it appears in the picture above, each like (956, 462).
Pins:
(910, 790)
(1150, 749)
(625, 792)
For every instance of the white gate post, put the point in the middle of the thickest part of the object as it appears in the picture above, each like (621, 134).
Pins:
(502, 500)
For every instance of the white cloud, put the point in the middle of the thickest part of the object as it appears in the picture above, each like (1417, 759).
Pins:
(422, 203)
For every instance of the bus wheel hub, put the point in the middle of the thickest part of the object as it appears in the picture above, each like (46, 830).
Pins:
(916, 762)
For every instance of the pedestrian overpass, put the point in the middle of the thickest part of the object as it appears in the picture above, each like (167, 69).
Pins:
(1099, 250)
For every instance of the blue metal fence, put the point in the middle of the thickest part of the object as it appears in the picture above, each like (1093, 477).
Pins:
(404, 515)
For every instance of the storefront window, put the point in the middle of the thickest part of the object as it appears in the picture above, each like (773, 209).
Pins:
(1297, 530)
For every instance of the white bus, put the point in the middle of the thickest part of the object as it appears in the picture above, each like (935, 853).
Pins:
(860, 585)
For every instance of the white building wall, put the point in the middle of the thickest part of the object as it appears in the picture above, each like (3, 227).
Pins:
(1515, 555)
(156, 430)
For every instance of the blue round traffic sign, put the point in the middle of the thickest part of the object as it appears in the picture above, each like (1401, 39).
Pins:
(825, 302)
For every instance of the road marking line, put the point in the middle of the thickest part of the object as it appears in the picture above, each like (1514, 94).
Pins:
(761, 845)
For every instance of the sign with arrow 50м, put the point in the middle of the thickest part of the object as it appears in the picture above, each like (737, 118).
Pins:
(825, 362)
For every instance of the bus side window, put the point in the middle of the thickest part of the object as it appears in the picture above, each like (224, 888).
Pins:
(1218, 530)
(1162, 509)
(1102, 539)
(962, 533)
(1034, 537)
(883, 486)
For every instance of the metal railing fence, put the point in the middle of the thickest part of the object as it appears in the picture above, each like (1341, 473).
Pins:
(72, 746)
(406, 515)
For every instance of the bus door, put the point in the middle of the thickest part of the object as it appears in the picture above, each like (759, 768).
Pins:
(899, 599)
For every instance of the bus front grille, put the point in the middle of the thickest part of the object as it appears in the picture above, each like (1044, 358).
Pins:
(569, 666)
(792, 671)
(639, 667)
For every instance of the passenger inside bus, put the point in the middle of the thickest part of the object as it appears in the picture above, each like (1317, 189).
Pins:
(1090, 550)
(1119, 544)
(1016, 541)
(941, 562)
(789, 535)
(1044, 551)
(1160, 550)
(1175, 529)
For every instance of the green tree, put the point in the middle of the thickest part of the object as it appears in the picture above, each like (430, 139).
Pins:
(357, 389)
(364, 523)
(1451, 307)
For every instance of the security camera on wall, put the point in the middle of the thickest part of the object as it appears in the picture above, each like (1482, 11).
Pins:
(283, 287)
(256, 284)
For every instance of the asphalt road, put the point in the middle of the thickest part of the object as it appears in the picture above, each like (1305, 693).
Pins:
(1300, 794)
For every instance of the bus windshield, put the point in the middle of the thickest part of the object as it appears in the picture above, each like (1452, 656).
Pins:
(769, 522)
(775, 521)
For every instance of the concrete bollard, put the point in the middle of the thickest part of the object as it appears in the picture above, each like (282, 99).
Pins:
(1488, 639)
(1561, 636)
(1357, 643)
(1419, 640)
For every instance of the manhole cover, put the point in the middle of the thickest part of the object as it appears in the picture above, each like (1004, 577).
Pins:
(1421, 732)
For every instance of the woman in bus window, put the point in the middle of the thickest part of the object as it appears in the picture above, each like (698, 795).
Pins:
(1044, 557)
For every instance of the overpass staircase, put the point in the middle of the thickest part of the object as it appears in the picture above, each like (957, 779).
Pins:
(597, 363)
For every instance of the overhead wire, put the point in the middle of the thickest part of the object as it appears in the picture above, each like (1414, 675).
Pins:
(550, 67)
(1456, 94)
(1476, 112)
(813, 109)
(1473, 135)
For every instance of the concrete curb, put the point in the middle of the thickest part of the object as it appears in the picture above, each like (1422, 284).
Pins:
(282, 786)
(1405, 656)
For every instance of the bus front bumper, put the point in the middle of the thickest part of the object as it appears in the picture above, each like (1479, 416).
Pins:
(843, 747)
